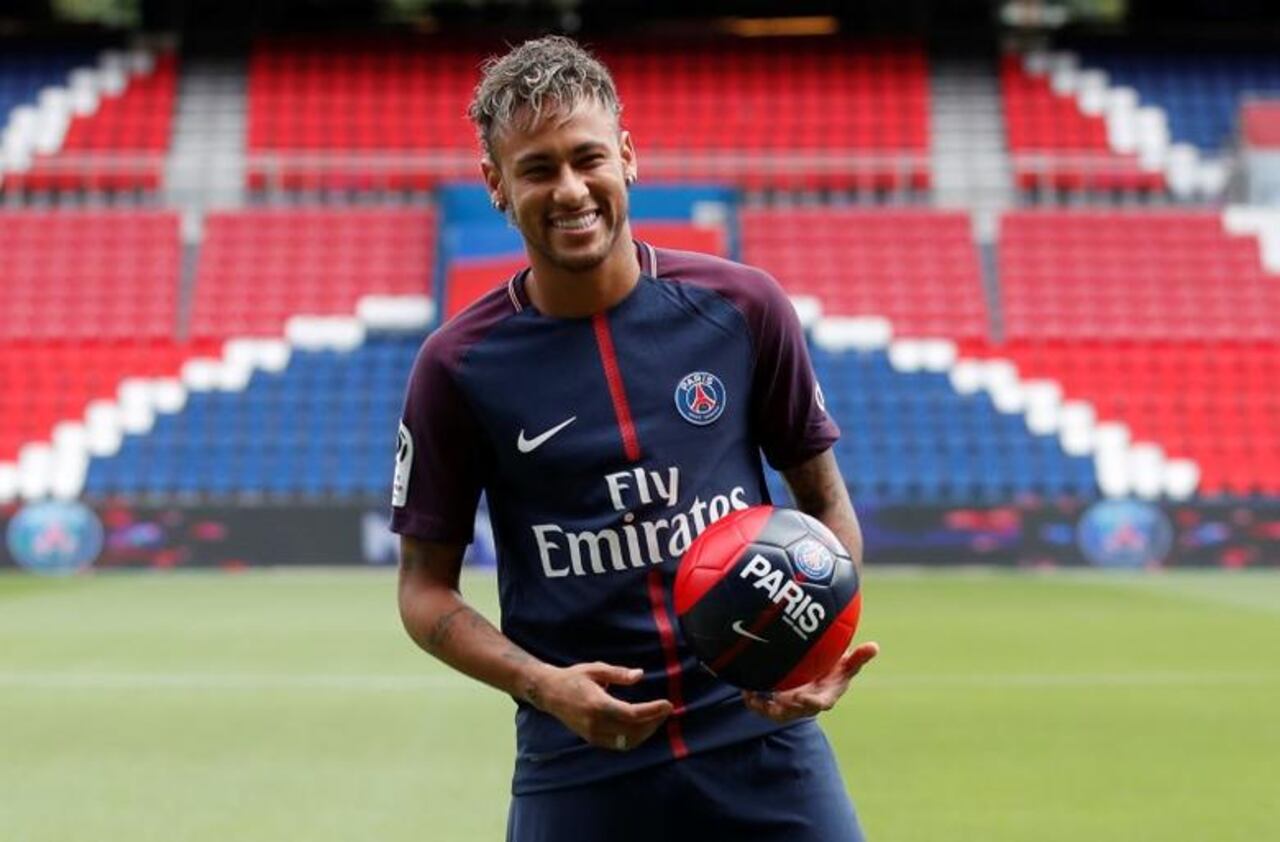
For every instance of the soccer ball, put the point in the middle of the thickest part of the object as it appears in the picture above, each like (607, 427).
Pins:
(767, 598)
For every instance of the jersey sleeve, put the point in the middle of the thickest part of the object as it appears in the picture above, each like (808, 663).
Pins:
(439, 456)
(788, 408)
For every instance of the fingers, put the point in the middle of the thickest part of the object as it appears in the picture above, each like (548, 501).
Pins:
(623, 726)
(658, 709)
(607, 674)
(776, 706)
(599, 717)
(858, 657)
(817, 696)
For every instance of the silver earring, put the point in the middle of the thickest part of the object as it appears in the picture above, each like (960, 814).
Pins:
(632, 178)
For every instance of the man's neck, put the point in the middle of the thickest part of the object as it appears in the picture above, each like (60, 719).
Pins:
(563, 294)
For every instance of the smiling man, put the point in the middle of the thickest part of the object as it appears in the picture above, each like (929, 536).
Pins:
(559, 394)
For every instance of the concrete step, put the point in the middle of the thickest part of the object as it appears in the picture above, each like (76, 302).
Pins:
(206, 164)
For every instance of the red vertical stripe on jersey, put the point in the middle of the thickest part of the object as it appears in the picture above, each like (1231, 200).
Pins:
(612, 374)
(675, 687)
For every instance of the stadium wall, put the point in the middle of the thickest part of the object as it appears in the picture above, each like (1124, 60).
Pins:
(1116, 534)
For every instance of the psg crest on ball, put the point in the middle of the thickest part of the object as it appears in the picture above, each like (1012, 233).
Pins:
(700, 397)
(767, 598)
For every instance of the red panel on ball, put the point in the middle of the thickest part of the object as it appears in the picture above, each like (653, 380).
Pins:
(716, 551)
(826, 651)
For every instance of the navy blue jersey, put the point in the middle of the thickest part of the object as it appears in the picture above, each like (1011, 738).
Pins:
(605, 445)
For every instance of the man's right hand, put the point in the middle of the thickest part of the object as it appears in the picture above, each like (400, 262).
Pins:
(578, 697)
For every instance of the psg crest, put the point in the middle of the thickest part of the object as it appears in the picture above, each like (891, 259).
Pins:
(700, 397)
(813, 559)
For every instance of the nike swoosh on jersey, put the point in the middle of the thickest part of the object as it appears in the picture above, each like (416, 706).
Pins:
(525, 445)
(737, 626)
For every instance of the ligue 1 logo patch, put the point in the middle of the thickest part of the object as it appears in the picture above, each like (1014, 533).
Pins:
(813, 560)
(404, 465)
(700, 398)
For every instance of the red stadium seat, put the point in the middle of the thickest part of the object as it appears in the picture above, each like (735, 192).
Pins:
(1057, 147)
(258, 268)
(90, 298)
(802, 114)
(1160, 319)
(917, 268)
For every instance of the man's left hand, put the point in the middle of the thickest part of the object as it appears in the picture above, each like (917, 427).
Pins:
(816, 696)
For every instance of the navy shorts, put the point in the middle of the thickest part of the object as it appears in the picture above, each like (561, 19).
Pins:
(782, 787)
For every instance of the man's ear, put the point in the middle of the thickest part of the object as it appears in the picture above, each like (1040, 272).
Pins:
(493, 182)
(627, 149)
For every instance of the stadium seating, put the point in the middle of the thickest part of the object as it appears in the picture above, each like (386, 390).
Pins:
(912, 439)
(1212, 402)
(1130, 275)
(121, 145)
(803, 114)
(917, 268)
(89, 298)
(1200, 93)
(75, 275)
(257, 268)
(323, 427)
(1055, 146)
(23, 74)
(1260, 124)
(1160, 320)
(49, 381)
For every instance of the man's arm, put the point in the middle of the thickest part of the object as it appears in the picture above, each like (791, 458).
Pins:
(819, 490)
(436, 617)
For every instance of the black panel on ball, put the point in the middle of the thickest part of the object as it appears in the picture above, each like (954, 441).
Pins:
(784, 527)
(709, 626)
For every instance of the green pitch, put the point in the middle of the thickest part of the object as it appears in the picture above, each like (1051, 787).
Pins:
(290, 706)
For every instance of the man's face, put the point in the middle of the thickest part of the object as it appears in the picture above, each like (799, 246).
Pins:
(564, 181)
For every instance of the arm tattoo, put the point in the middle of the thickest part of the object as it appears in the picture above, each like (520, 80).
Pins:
(817, 484)
(442, 629)
(528, 690)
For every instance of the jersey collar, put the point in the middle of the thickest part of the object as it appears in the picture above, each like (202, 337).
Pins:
(519, 296)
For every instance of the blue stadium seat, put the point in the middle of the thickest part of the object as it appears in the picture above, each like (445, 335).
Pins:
(1200, 93)
(324, 427)
(23, 74)
(910, 438)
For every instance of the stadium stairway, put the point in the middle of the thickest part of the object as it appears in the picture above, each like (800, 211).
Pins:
(969, 156)
(206, 165)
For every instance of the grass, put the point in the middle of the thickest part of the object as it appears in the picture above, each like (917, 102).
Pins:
(290, 705)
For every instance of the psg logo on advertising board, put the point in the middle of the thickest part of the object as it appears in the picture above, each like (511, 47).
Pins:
(55, 537)
(1124, 533)
(813, 560)
(700, 397)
